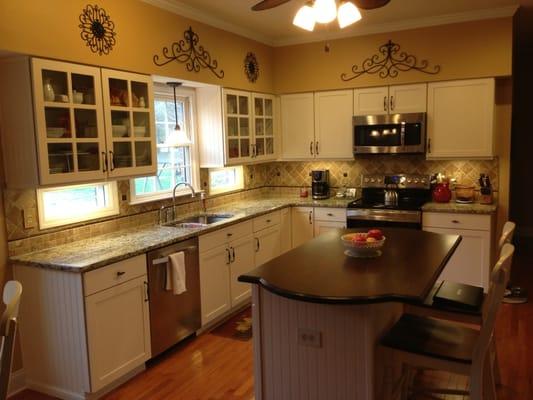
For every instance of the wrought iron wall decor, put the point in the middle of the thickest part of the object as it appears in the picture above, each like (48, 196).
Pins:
(251, 67)
(189, 51)
(97, 29)
(389, 62)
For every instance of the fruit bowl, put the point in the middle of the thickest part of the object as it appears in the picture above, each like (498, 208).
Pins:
(360, 248)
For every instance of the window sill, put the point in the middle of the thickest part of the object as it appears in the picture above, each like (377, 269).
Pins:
(161, 196)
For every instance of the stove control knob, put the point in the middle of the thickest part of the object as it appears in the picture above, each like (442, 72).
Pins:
(423, 181)
(416, 181)
(366, 180)
(409, 180)
(372, 180)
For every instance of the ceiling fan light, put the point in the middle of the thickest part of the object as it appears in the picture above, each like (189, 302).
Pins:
(348, 14)
(305, 18)
(325, 11)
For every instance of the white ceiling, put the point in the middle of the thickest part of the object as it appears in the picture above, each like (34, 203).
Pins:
(274, 26)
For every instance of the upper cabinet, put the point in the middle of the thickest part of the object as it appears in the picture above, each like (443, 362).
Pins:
(297, 126)
(460, 119)
(263, 124)
(390, 100)
(78, 132)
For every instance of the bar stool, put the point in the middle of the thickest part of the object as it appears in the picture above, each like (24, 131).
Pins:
(430, 343)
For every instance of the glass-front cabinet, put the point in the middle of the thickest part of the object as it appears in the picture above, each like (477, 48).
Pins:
(91, 123)
(248, 126)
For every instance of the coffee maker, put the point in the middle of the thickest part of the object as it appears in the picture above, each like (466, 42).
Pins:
(320, 184)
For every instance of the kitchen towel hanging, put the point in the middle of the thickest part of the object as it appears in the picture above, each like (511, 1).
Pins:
(175, 276)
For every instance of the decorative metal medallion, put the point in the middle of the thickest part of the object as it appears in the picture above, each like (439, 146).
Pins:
(188, 51)
(251, 67)
(97, 29)
(389, 63)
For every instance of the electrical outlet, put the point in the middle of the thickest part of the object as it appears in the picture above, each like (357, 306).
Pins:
(30, 217)
(309, 337)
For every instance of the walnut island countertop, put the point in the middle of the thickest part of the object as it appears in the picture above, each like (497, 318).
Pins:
(89, 254)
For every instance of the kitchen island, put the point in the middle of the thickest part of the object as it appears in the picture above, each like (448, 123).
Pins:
(318, 314)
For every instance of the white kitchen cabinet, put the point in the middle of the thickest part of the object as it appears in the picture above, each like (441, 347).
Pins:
(267, 244)
(118, 331)
(471, 262)
(302, 225)
(264, 127)
(333, 124)
(94, 327)
(297, 126)
(390, 99)
(237, 126)
(460, 119)
(241, 262)
(285, 230)
(327, 219)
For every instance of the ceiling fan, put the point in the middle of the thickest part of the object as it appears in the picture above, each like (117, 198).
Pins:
(363, 4)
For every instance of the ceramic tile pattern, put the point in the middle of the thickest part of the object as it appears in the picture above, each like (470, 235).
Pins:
(286, 177)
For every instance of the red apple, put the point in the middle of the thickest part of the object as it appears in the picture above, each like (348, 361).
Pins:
(360, 237)
(375, 233)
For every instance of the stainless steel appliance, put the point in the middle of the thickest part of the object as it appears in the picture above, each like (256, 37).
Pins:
(391, 133)
(320, 184)
(173, 317)
(389, 200)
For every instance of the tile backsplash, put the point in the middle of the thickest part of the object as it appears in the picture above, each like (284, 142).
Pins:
(257, 179)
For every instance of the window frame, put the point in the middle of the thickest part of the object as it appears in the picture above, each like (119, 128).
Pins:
(164, 92)
(113, 207)
(234, 188)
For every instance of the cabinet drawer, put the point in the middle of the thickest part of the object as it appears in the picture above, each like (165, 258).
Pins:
(456, 221)
(264, 221)
(114, 274)
(330, 214)
(223, 236)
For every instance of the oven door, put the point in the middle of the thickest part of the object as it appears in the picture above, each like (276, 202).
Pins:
(371, 218)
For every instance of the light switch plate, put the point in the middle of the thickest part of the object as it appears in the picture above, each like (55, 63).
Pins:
(30, 217)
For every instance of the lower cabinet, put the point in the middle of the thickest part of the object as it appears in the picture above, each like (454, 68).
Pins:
(309, 222)
(471, 262)
(242, 261)
(302, 225)
(285, 226)
(267, 244)
(327, 219)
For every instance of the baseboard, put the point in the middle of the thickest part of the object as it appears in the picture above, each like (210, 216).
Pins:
(223, 318)
(17, 382)
(54, 391)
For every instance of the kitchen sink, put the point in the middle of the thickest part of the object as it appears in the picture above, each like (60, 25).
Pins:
(198, 221)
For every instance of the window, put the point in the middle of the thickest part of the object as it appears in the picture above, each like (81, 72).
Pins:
(223, 180)
(175, 152)
(69, 204)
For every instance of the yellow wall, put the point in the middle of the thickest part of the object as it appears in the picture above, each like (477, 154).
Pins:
(465, 50)
(50, 29)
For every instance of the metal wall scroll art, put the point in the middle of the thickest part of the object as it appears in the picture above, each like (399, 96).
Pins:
(190, 52)
(251, 67)
(97, 29)
(389, 62)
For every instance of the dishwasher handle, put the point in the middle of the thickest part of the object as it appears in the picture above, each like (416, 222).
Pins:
(164, 260)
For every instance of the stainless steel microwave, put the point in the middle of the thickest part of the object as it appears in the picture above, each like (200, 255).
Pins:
(389, 134)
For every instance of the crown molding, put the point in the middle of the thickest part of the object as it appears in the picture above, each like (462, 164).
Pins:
(187, 11)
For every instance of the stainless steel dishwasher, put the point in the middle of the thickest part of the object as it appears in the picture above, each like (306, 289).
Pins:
(173, 317)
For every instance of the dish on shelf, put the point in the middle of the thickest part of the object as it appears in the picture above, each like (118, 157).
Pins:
(90, 131)
(120, 130)
(55, 132)
(139, 130)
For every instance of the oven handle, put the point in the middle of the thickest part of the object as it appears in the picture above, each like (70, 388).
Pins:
(405, 216)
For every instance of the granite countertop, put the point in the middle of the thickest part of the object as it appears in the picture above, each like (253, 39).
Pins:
(453, 207)
(86, 255)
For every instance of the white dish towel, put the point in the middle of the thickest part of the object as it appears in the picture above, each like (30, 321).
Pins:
(175, 281)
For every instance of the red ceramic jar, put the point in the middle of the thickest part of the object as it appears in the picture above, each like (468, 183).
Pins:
(442, 193)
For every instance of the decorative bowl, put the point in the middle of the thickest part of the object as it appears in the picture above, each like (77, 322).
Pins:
(361, 249)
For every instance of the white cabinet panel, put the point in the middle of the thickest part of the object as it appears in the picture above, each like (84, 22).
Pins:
(326, 226)
(214, 283)
(371, 101)
(333, 124)
(297, 126)
(267, 245)
(302, 225)
(242, 261)
(460, 119)
(285, 230)
(408, 98)
(118, 331)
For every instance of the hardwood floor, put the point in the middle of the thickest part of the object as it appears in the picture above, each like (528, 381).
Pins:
(212, 367)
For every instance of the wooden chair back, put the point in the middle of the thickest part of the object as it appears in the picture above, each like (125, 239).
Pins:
(507, 234)
(8, 329)
(498, 281)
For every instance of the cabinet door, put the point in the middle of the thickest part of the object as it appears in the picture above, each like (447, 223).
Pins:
(302, 225)
(297, 126)
(460, 119)
(267, 244)
(408, 98)
(118, 331)
(130, 123)
(237, 126)
(285, 230)
(326, 226)
(470, 263)
(242, 261)
(214, 283)
(264, 146)
(371, 101)
(69, 122)
(333, 124)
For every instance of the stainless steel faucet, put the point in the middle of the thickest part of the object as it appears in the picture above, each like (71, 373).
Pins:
(193, 195)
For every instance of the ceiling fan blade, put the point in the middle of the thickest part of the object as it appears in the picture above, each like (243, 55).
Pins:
(267, 4)
(370, 4)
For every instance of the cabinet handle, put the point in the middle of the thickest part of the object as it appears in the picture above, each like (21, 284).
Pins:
(330, 215)
(257, 245)
(146, 292)
(392, 103)
(311, 217)
(229, 257)
(255, 150)
(429, 145)
(229, 234)
(454, 221)
(112, 160)
(311, 148)
(104, 162)
(316, 148)
(385, 103)
(232, 254)
(268, 221)
(120, 273)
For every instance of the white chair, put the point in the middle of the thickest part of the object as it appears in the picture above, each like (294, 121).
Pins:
(430, 343)
(8, 329)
